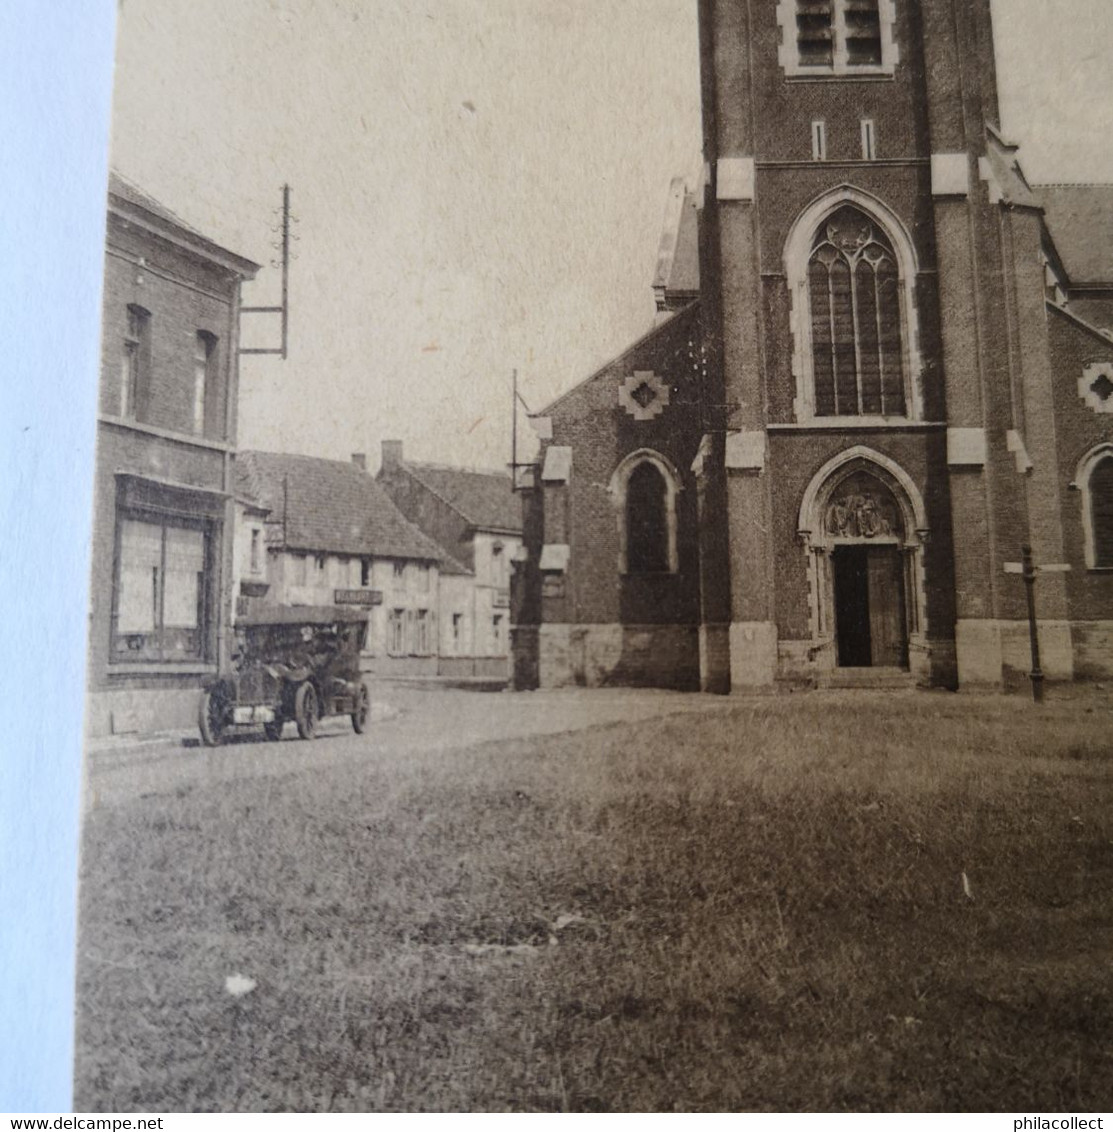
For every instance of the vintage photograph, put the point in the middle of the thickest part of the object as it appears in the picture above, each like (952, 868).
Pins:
(602, 560)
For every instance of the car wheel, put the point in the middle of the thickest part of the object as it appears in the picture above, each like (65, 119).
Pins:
(363, 710)
(210, 719)
(305, 710)
(273, 731)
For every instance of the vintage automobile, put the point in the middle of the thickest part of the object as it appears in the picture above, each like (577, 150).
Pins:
(289, 663)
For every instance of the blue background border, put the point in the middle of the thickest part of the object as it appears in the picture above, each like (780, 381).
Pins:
(55, 88)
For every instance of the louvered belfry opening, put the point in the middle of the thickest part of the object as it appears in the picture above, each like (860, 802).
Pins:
(815, 32)
(854, 294)
(863, 33)
(1101, 512)
(844, 32)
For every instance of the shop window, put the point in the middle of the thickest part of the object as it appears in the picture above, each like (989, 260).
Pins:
(160, 593)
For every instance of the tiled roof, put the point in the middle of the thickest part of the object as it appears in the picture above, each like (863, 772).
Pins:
(450, 565)
(485, 500)
(1080, 220)
(330, 506)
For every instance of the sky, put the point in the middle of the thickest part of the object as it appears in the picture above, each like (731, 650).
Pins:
(478, 186)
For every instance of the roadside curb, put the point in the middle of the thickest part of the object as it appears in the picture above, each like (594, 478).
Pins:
(106, 743)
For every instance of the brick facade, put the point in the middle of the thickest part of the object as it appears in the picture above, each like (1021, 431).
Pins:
(876, 166)
(164, 467)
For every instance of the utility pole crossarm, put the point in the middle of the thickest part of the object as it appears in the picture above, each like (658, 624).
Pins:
(283, 309)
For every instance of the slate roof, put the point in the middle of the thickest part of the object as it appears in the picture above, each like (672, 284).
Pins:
(125, 190)
(1080, 221)
(676, 279)
(129, 194)
(330, 506)
(485, 500)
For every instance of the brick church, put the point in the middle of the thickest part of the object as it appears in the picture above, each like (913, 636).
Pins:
(882, 365)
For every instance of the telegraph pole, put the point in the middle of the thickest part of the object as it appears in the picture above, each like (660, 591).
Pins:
(284, 310)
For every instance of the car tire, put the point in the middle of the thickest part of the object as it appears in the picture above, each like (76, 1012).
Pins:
(273, 731)
(210, 719)
(305, 710)
(362, 714)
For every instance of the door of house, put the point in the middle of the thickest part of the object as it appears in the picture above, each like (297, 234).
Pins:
(870, 623)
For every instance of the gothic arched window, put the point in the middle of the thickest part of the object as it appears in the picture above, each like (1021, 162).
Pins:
(854, 293)
(647, 526)
(1101, 513)
(644, 488)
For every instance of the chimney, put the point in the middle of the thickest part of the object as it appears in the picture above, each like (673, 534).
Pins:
(360, 461)
(392, 455)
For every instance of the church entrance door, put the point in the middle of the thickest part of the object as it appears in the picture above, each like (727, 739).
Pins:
(870, 622)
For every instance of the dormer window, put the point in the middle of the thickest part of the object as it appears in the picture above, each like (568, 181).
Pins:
(837, 37)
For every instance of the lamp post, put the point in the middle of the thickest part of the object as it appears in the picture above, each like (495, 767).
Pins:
(1033, 632)
(1029, 571)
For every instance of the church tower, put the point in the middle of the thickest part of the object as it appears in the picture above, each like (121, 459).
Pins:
(873, 297)
(882, 367)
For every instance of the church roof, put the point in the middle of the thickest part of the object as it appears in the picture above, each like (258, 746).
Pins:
(677, 274)
(1079, 219)
(330, 506)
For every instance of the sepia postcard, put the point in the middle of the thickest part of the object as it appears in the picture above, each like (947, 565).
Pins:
(601, 590)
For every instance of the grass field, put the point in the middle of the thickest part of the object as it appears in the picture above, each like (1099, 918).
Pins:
(815, 902)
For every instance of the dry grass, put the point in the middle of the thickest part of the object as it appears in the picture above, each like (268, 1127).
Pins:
(758, 909)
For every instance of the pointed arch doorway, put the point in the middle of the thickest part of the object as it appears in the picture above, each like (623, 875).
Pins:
(868, 594)
(862, 523)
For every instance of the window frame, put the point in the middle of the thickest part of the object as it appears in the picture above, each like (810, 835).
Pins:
(204, 366)
(206, 596)
(396, 632)
(869, 139)
(797, 260)
(618, 488)
(819, 140)
(255, 551)
(788, 52)
(422, 632)
(135, 360)
(1089, 464)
